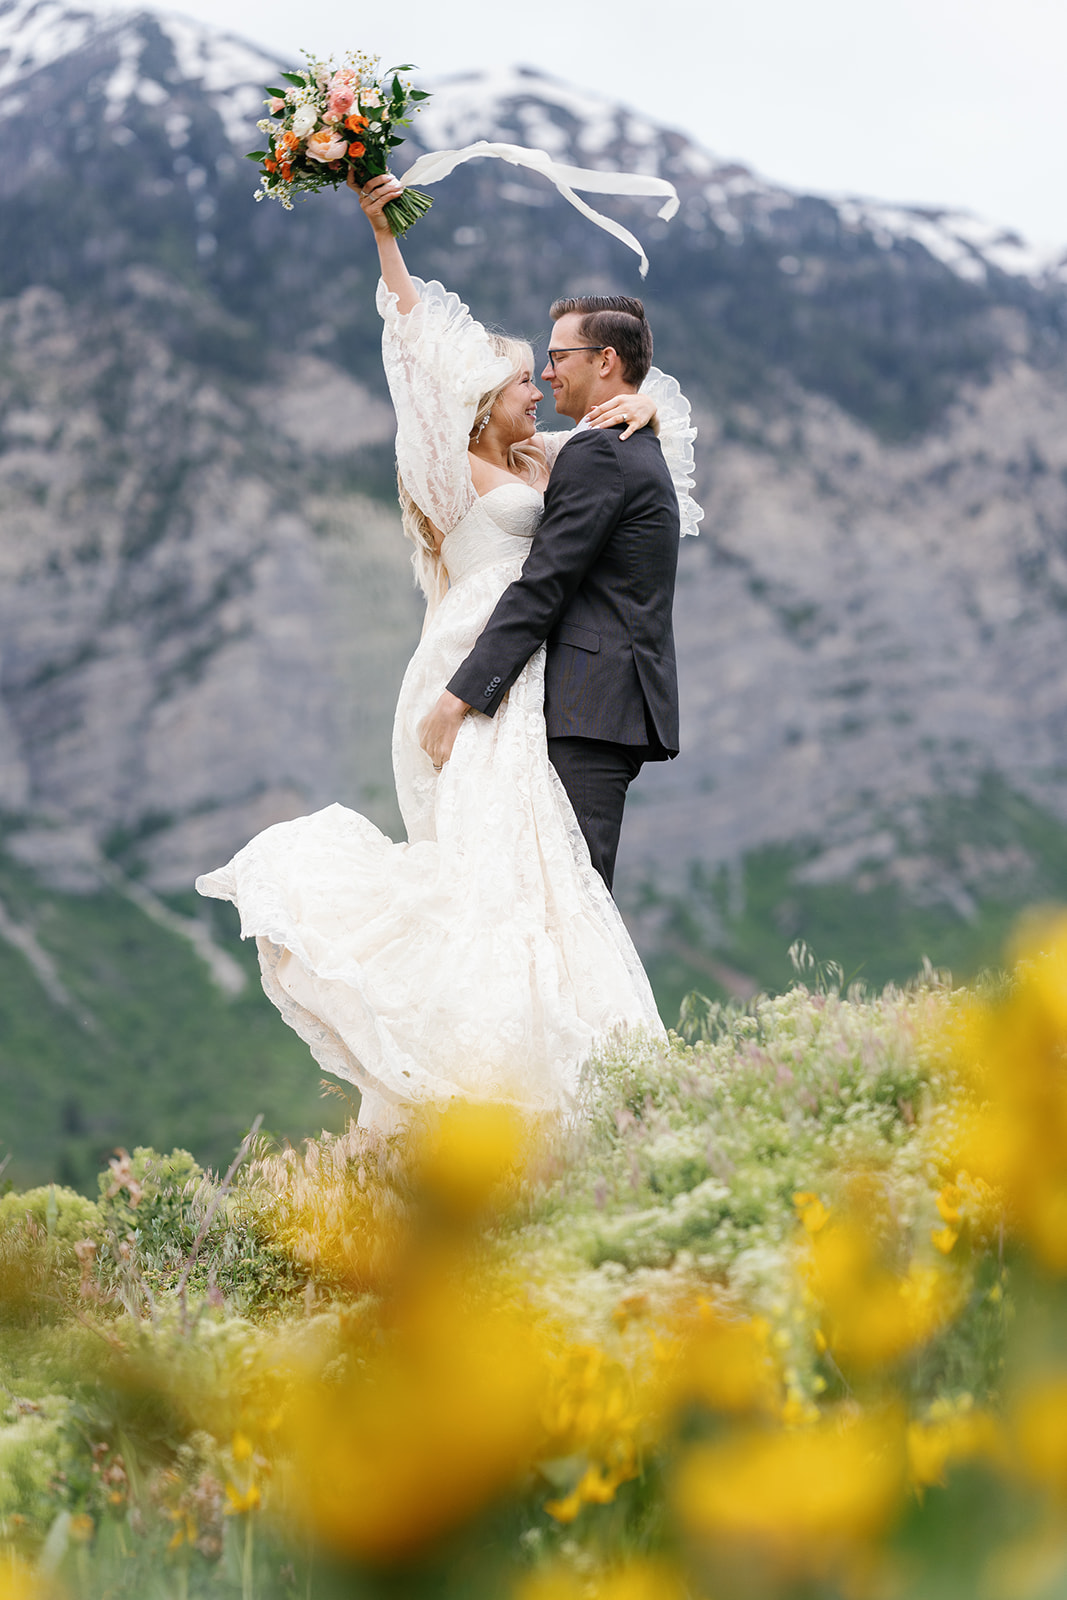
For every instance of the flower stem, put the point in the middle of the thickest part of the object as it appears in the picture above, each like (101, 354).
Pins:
(404, 212)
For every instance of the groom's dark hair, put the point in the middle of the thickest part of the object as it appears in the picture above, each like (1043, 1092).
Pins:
(617, 321)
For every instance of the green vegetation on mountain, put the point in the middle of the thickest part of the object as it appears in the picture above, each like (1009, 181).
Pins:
(949, 901)
(146, 1049)
(137, 1057)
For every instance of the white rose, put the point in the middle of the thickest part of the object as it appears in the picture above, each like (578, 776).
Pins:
(304, 121)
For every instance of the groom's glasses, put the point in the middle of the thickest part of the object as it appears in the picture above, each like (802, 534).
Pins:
(570, 351)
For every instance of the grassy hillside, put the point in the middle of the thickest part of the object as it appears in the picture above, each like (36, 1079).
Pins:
(780, 1317)
(148, 1051)
(949, 894)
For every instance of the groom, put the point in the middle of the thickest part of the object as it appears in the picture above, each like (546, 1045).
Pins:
(598, 586)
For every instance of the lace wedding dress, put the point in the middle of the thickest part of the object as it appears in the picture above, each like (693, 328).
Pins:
(484, 957)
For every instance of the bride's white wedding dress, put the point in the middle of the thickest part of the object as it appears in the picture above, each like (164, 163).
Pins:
(484, 957)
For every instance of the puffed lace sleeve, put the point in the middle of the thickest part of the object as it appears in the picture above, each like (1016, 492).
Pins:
(553, 443)
(438, 364)
(676, 435)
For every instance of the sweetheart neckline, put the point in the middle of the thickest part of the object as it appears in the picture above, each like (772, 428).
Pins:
(516, 485)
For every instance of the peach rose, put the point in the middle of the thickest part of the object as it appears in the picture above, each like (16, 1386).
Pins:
(326, 145)
(275, 104)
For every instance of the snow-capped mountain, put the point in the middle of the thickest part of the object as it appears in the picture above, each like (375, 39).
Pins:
(196, 477)
(518, 104)
(526, 107)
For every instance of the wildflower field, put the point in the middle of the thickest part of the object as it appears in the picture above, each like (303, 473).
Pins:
(784, 1314)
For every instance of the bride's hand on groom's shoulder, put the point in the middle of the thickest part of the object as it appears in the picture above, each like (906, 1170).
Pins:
(636, 410)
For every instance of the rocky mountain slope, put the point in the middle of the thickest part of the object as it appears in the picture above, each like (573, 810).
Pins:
(206, 604)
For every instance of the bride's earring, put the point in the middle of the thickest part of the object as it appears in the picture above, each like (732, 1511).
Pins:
(483, 425)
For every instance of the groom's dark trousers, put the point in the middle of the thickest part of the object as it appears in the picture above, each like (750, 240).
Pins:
(598, 588)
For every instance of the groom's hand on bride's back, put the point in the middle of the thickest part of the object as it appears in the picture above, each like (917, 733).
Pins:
(437, 731)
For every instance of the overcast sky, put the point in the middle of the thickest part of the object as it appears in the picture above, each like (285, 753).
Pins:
(958, 102)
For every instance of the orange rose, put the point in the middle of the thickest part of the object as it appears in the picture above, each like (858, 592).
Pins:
(356, 150)
(270, 163)
(287, 171)
(354, 123)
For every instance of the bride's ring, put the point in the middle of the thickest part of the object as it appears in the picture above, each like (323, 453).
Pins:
(437, 768)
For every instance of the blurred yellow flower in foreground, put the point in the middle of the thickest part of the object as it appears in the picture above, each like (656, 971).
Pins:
(1012, 1058)
(813, 1214)
(466, 1159)
(241, 1500)
(18, 1583)
(721, 1361)
(952, 1433)
(421, 1436)
(639, 1580)
(1039, 1425)
(799, 1503)
(596, 1487)
(872, 1312)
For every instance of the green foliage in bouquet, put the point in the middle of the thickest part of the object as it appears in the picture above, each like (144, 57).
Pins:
(335, 121)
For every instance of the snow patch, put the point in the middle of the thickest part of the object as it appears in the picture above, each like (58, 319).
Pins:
(506, 103)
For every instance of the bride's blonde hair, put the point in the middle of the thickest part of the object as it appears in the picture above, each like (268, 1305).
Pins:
(523, 458)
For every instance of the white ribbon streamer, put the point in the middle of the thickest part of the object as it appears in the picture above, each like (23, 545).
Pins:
(439, 163)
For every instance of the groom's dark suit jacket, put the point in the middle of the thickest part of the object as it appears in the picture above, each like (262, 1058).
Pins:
(598, 585)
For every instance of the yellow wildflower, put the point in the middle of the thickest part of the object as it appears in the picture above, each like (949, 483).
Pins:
(944, 1239)
(874, 1313)
(797, 1502)
(555, 1584)
(185, 1532)
(948, 1434)
(949, 1204)
(638, 1580)
(1039, 1424)
(721, 1361)
(82, 1527)
(18, 1582)
(1012, 1056)
(597, 1487)
(813, 1214)
(445, 1417)
(241, 1448)
(241, 1499)
(462, 1159)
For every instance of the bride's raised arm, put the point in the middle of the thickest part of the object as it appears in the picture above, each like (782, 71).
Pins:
(439, 362)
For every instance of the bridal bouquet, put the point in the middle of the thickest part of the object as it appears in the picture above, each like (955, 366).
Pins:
(336, 120)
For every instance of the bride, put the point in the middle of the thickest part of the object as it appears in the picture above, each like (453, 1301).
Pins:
(485, 957)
